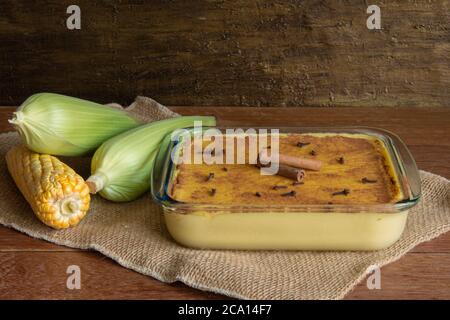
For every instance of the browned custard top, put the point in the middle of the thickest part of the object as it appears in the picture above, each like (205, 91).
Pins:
(356, 170)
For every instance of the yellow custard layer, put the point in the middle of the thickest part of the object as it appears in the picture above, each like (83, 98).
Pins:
(286, 231)
(347, 160)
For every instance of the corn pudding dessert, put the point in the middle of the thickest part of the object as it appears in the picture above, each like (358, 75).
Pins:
(349, 189)
(356, 170)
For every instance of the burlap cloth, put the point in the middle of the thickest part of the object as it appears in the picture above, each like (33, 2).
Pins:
(133, 234)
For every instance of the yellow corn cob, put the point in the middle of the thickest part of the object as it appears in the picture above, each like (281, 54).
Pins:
(57, 194)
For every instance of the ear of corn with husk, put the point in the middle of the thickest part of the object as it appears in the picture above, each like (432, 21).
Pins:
(121, 167)
(58, 196)
(60, 125)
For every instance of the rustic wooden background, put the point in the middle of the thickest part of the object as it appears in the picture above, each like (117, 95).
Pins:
(233, 53)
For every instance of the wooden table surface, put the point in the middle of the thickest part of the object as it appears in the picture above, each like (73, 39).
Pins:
(35, 269)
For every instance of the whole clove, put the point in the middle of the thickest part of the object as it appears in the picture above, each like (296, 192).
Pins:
(258, 194)
(212, 192)
(367, 180)
(302, 144)
(313, 153)
(340, 160)
(289, 194)
(210, 177)
(344, 192)
(279, 187)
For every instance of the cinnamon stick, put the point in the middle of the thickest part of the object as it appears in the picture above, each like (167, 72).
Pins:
(289, 172)
(295, 174)
(297, 162)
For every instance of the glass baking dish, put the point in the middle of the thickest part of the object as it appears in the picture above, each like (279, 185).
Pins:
(290, 227)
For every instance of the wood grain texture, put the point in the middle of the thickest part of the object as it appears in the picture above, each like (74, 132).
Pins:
(43, 275)
(415, 276)
(234, 53)
(35, 269)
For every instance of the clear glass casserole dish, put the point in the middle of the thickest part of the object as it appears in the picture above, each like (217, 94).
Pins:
(299, 226)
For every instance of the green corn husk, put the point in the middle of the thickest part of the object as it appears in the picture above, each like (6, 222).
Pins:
(60, 125)
(121, 168)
